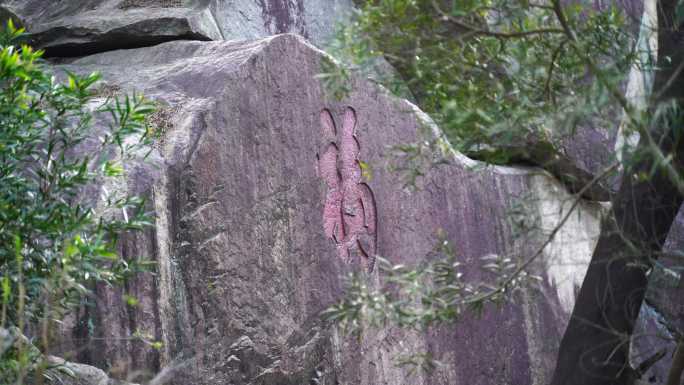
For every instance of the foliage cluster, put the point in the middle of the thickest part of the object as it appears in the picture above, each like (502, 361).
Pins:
(57, 234)
(496, 75)
(430, 294)
(499, 77)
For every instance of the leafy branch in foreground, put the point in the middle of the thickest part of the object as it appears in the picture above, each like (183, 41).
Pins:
(437, 291)
(57, 238)
(420, 297)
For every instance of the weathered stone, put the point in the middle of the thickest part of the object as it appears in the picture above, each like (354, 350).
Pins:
(56, 370)
(661, 318)
(78, 28)
(247, 259)
(573, 168)
(70, 373)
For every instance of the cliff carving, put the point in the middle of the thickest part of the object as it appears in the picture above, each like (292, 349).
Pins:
(253, 236)
(252, 231)
(349, 217)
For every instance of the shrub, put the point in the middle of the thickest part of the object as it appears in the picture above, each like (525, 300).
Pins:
(57, 237)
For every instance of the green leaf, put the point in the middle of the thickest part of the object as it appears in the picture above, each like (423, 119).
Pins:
(679, 12)
(6, 289)
(131, 301)
(366, 171)
(113, 169)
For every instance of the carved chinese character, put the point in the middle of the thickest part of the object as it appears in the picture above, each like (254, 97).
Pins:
(349, 217)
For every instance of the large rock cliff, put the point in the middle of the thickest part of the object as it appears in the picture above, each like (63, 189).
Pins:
(76, 28)
(252, 167)
(242, 184)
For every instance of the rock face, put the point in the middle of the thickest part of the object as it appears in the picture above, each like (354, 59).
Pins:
(70, 373)
(661, 318)
(251, 246)
(78, 28)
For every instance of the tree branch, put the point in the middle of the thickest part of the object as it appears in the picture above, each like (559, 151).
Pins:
(547, 84)
(502, 35)
(578, 198)
(615, 92)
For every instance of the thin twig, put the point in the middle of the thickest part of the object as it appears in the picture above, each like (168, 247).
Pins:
(670, 81)
(547, 84)
(649, 362)
(578, 198)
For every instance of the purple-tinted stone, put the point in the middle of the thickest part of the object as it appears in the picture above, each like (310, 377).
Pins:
(245, 257)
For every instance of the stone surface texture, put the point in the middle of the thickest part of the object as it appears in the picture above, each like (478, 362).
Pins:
(70, 373)
(78, 28)
(263, 203)
(248, 255)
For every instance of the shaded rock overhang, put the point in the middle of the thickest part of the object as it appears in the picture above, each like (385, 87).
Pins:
(114, 41)
(69, 36)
